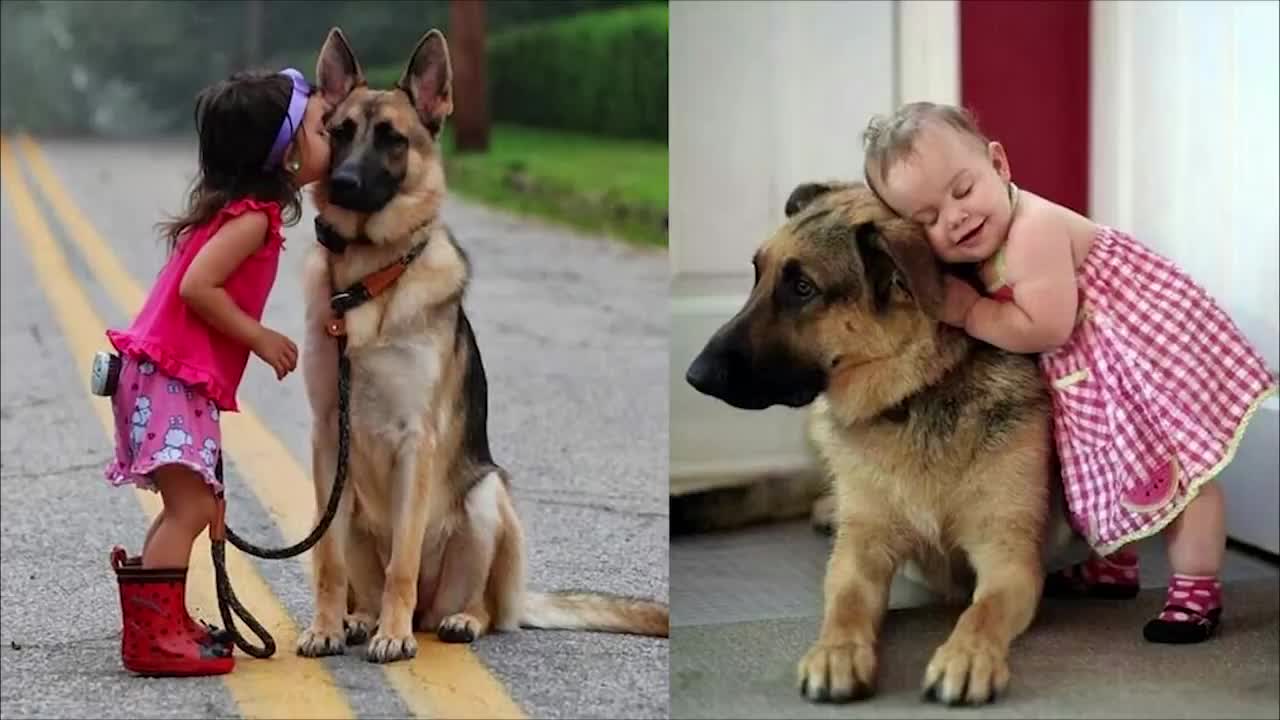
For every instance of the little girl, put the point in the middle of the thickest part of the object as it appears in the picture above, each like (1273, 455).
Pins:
(261, 140)
(1152, 383)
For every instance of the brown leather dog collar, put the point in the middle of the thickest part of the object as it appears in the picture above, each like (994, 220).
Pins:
(367, 288)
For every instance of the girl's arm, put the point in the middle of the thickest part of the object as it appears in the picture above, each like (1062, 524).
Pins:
(202, 290)
(201, 286)
(1042, 273)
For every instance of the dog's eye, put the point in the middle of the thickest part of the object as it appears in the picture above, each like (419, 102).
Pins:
(387, 136)
(803, 288)
(343, 132)
(794, 288)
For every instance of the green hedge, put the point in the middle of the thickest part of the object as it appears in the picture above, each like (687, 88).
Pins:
(602, 72)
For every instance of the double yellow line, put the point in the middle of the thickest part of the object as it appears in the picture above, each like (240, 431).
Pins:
(444, 680)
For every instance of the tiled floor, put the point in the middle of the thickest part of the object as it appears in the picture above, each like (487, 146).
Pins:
(775, 571)
(746, 604)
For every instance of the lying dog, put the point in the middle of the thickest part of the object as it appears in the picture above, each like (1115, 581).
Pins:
(938, 446)
(426, 534)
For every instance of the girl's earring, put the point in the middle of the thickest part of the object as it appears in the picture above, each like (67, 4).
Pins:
(292, 163)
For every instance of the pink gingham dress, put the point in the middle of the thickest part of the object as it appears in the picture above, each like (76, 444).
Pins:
(1151, 394)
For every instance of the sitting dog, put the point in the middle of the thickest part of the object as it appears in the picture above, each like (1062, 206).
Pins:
(426, 534)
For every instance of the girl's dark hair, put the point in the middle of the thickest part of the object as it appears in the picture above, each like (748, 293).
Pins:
(237, 120)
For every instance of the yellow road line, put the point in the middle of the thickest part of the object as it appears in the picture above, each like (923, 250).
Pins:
(254, 684)
(444, 680)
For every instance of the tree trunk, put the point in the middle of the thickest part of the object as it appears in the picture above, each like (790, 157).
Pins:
(253, 33)
(470, 75)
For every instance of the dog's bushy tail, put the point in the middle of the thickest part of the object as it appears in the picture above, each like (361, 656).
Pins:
(595, 611)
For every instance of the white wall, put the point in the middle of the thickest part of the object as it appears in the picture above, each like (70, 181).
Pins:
(928, 51)
(1186, 134)
(1185, 154)
(763, 96)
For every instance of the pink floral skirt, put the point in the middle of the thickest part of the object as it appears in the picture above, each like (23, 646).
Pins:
(161, 421)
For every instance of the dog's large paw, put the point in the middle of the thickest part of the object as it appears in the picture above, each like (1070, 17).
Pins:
(966, 671)
(359, 627)
(458, 628)
(385, 648)
(837, 673)
(314, 642)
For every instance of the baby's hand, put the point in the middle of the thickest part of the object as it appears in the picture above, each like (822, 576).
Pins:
(959, 297)
(277, 351)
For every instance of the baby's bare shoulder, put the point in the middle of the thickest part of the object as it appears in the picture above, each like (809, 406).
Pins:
(1040, 234)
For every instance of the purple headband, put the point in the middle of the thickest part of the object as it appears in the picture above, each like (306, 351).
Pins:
(292, 119)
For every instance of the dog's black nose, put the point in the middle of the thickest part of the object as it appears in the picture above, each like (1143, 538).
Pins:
(707, 375)
(345, 182)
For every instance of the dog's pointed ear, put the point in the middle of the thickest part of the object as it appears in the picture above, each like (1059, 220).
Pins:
(337, 70)
(895, 252)
(804, 194)
(428, 79)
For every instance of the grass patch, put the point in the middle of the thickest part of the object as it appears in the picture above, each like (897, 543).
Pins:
(597, 184)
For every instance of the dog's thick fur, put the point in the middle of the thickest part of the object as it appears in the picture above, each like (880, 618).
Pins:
(426, 535)
(938, 446)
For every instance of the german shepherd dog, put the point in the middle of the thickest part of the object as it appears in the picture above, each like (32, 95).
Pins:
(938, 446)
(426, 535)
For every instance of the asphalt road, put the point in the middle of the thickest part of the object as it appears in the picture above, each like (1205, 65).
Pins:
(574, 335)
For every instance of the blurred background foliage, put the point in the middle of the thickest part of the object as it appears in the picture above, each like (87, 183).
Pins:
(131, 68)
(577, 89)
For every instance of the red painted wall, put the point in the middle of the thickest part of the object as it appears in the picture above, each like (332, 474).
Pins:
(1024, 72)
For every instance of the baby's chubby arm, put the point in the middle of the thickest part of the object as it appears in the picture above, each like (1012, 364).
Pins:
(1039, 267)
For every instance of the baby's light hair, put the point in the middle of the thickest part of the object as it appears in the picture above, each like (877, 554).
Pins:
(890, 138)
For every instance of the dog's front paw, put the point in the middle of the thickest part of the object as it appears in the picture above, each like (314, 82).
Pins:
(458, 628)
(385, 647)
(966, 671)
(315, 642)
(838, 673)
(359, 626)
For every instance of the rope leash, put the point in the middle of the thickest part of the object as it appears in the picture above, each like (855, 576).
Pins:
(219, 533)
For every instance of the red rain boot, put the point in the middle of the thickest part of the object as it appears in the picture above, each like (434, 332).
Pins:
(156, 640)
(203, 632)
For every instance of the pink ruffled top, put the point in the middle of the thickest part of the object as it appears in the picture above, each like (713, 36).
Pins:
(175, 337)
